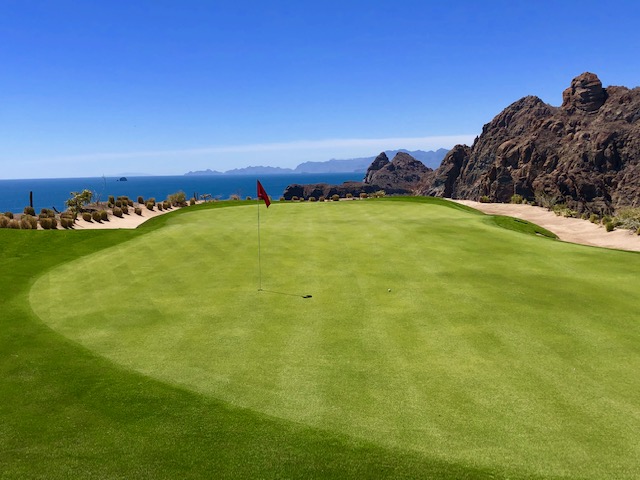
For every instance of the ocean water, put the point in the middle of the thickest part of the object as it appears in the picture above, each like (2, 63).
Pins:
(47, 193)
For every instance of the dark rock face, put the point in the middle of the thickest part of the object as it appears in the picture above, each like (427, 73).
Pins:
(399, 176)
(586, 152)
(380, 161)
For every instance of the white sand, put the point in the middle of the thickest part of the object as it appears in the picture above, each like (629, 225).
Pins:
(573, 230)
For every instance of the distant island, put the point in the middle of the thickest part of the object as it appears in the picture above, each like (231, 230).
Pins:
(431, 159)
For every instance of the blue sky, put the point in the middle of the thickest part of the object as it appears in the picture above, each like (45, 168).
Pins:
(91, 88)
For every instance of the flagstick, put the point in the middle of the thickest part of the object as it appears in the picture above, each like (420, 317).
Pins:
(259, 259)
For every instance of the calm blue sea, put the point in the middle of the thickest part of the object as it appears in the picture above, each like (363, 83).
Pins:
(47, 193)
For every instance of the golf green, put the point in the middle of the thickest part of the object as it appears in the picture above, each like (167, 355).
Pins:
(429, 329)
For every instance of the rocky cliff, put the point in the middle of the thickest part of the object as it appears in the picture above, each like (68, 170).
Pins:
(399, 176)
(585, 153)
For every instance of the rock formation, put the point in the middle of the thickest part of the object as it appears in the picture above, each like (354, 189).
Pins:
(585, 153)
(399, 176)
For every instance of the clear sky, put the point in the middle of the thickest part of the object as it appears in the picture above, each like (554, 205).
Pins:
(91, 88)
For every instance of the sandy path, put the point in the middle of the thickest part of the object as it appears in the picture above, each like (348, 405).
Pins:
(127, 221)
(572, 230)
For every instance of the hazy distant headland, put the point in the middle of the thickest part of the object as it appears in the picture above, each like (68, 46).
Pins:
(431, 159)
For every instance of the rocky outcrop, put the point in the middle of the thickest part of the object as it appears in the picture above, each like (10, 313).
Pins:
(586, 153)
(399, 176)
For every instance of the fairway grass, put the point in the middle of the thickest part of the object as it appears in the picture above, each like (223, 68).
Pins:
(493, 353)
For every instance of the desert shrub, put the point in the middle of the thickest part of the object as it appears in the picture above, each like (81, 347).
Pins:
(4, 221)
(29, 211)
(48, 212)
(628, 218)
(130, 203)
(179, 199)
(517, 199)
(111, 200)
(150, 206)
(584, 216)
(66, 222)
(485, 199)
(138, 211)
(152, 201)
(27, 222)
(312, 199)
(166, 205)
(248, 197)
(594, 218)
(95, 216)
(562, 210)
(321, 198)
(605, 219)
(125, 208)
(546, 200)
(9, 215)
(104, 216)
(54, 223)
(140, 199)
(14, 224)
(379, 194)
(86, 216)
(119, 203)
(363, 195)
(117, 211)
(234, 197)
(335, 197)
(294, 198)
(609, 226)
(160, 207)
(45, 222)
(349, 195)
(282, 199)
(192, 201)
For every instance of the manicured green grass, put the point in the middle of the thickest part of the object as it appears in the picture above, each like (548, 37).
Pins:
(494, 354)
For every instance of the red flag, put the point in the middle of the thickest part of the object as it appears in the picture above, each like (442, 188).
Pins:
(263, 195)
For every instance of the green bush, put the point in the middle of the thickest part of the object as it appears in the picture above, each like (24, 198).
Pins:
(9, 215)
(609, 226)
(117, 211)
(95, 216)
(594, 218)
(517, 199)
(86, 216)
(138, 211)
(29, 211)
(335, 197)
(485, 199)
(104, 216)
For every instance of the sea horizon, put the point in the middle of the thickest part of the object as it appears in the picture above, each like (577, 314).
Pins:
(53, 192)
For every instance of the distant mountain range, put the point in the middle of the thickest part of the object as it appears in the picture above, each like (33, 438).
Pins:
(431, 159)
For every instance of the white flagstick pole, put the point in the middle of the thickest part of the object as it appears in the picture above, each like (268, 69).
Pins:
(259, 259)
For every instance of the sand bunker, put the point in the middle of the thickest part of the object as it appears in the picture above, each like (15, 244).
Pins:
(573, 230)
